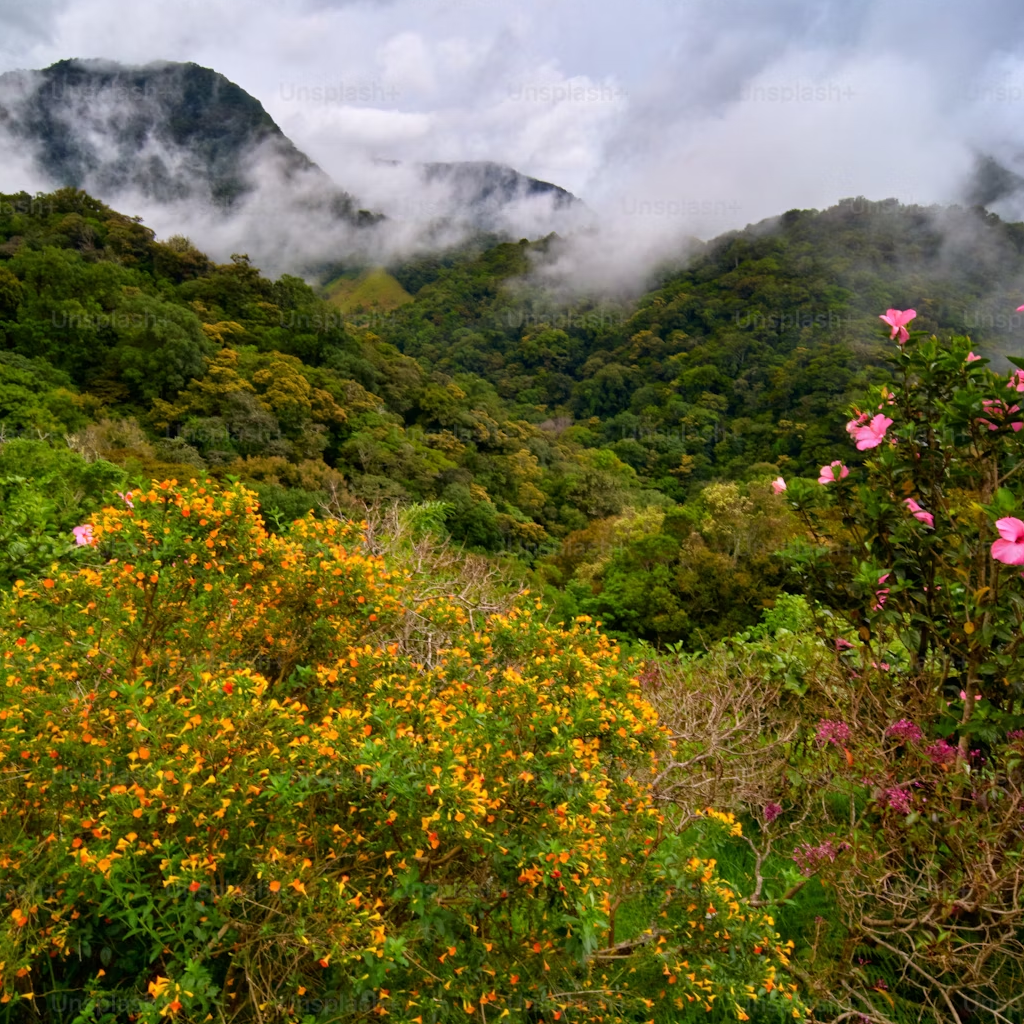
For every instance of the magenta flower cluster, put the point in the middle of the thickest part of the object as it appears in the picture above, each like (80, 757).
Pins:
(771, 811)
(905, 731)
(836, 733)
(898, 799)
(941, 752)
(809, 858)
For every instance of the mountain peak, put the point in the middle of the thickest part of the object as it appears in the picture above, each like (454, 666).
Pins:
(163, 130)
(198, 153)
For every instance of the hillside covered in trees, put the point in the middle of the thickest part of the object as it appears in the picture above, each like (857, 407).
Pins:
(492, 651)
(593, 443)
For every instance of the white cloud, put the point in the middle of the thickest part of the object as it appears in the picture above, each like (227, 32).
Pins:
(406, 60)
(690, 116)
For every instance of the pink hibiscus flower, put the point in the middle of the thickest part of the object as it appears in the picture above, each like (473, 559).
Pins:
(972, 358)
(881, 595)
(919, 513)
(778, 485)
(897, 320)
(828, 473)
(83, 535)
(870, 435)
(997, 407)
(1009, 549)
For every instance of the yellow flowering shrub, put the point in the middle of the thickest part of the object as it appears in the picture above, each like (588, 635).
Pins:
(228, 792)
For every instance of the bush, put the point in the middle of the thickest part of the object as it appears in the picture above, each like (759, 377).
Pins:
(44, 492)
(229, 790)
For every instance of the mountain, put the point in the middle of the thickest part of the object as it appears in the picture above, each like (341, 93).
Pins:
(487, 191)
(192, 151)
(166, 132)
(533, 418)
(483, 182)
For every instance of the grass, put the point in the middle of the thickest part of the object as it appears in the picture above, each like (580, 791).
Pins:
(373, 289)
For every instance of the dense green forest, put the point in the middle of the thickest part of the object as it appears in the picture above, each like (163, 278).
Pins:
(435, 643)
(618, 452)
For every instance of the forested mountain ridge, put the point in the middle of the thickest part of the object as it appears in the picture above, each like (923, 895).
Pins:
(183, 137)
(756, 338)
(549, 426)
(167, 131)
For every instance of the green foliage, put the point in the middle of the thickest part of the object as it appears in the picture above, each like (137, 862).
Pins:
(45, 492)
(534, 420)
(688, 574)
(878, 753)
(256, 795)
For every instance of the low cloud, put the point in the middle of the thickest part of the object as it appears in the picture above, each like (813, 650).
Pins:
(669, 121)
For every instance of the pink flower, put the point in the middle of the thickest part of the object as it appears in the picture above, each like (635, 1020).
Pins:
(843, 645)
(905, 730)
(1009, 549)
(996, 407)
(1020, 309)
(771, 811)
(859, 421)
(898, 799)
(836, 733)
(871, 434)
(778, 485)
(810, 858)
(972, 358)
(1016, 381)
(897, 319)
(941, 752)
(83, 535)
(919, 513)
(828, 473)
(963, 695)
(881, 595)
(127, 499)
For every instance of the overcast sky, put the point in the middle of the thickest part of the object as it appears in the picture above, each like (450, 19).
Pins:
(685, 116)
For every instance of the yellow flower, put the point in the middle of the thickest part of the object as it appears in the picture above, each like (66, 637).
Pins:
(159, 986)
